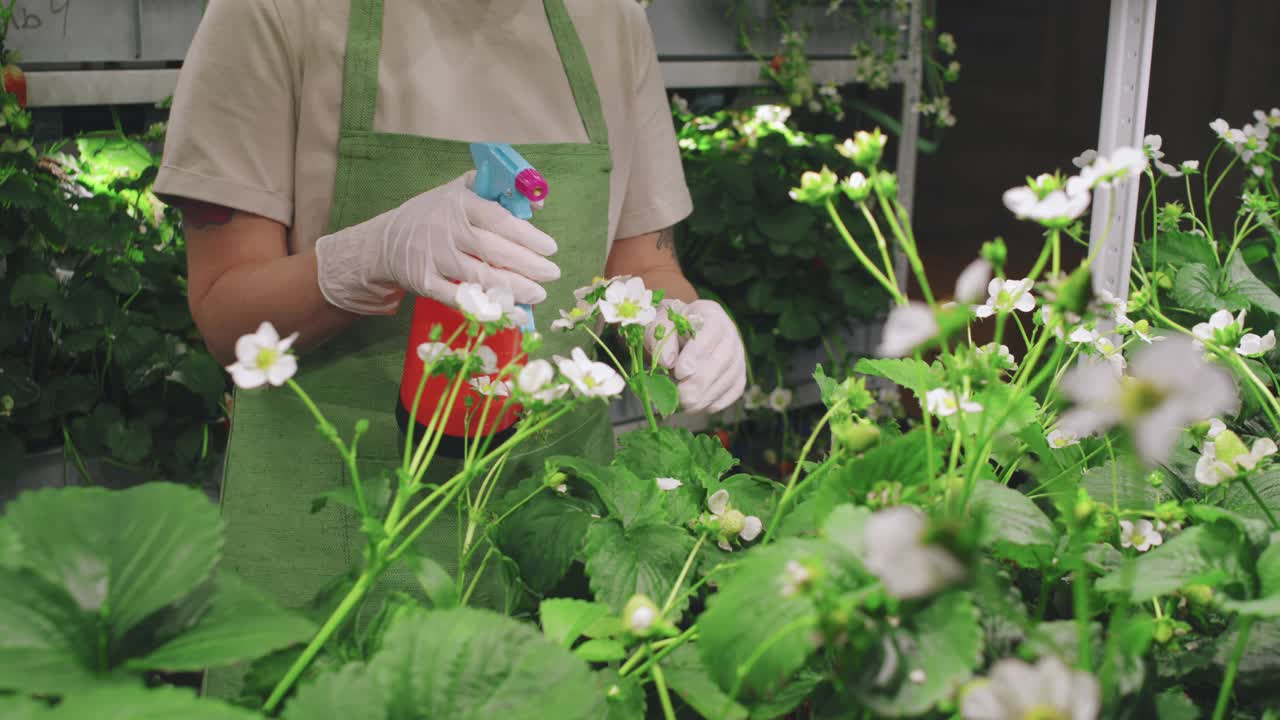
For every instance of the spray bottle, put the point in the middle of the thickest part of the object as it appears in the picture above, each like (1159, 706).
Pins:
(505, 177)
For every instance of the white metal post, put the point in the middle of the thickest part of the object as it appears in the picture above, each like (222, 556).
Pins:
(911, 75)
(1124, 110)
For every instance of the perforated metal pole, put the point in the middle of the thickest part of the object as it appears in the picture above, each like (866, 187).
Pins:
(1124, 110)
(912, 70)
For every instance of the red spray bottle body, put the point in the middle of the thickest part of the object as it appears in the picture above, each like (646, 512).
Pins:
(502, 175)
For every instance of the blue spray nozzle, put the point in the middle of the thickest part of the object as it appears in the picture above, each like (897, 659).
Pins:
(506, 178)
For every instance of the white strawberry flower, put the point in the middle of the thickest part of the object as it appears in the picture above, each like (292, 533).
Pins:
(1056, 209)
(1085, 159)
(907, 327)
(1003, 356)
(486, 386)
(628, 302)
(1141, 536)
(590, 378)
(571, 318)
(1169, 386)
(262, 358)
(780, 399)
(1048, 690)
(1189, 167)
(1222, 128)
(429, 352)
(1007, 296)
(1124, 163)
(755, 398)
(1224, 456)
(731, 521)
(1251, 345)
(944, 403)
(490, 305)
(1222, 328)
(667, 484)
(1272, 119)
(1082, 336)
(896, 551)
(536, 380)
(972, 282)
(488, 359)
(1111, 352)
(1059, 439)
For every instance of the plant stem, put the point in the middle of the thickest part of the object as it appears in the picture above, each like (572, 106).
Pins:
(684, 572)
(1080, 596)
(795, 472)
(328, 430)
(1229, 679)
(870, 267)
(660, 681)
(665, 648)
(353, 598)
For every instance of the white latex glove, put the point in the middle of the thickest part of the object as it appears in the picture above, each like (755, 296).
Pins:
(711, 367)
(431, 242)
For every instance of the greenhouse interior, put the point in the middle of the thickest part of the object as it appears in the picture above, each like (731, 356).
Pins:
(623, 359)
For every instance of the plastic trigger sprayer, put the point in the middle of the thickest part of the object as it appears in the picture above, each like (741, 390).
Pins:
(505, 177)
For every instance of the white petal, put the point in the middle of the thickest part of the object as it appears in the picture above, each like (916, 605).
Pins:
(282, 369)
(247, 377)
(718, 502)
(751, 527)
(667, 483)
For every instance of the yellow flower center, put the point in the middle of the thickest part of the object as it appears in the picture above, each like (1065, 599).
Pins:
(628, 309)
(1139, 397)
(1044, 712)
(266, 358)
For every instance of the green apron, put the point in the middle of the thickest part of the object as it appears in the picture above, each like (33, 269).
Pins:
(277, 463)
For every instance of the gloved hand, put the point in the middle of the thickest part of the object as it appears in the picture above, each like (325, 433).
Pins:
(428, 244)
(711, 367)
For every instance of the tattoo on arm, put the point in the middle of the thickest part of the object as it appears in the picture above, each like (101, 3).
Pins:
(200, 215)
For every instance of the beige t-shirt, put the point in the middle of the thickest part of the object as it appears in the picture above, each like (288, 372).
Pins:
(254, 122)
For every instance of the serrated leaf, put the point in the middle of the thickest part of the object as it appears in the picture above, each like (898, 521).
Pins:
(122, 278)
(1195, 288)
(33, 290)
(1261, 659)
(1241, 502)
(689, 679)
(544, 536)
(910, 373)
(753, 636)
(601, 650)
(1120, 485)
(1204, 554)
(1245, 283)
(643, 559)
(242, 624)
(1267, 604)
(1012, 525)
(462, 664)
(564, 620)
(43, 637)
(674, 452)
(750, 494)
(944, 641)
(903, 459)
(1018, 409)
(1175, 705)
(1178, 249)
(201, 374)
(629, 498)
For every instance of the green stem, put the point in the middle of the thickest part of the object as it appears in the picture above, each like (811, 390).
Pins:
(890, 287)
(880, 243)
(666, 647)
(660, 681)
(908, 244)
(1080, 595)
(339, 616)
(476, 580)
(1233, 666)
(795, 472)
(328, 430)
(684, 572)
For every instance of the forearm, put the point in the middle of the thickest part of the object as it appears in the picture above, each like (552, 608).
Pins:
(283, 291)
(652, 258)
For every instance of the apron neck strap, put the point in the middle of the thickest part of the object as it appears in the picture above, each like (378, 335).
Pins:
(364, 45)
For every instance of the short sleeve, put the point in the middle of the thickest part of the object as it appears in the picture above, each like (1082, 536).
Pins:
(233, 122)
(656, 194)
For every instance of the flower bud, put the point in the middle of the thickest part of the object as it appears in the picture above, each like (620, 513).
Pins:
(1164, 631)
(815, 187)
(1229, 446)
(555, 479)
(995, 252)
(1085, 507)
(886, 184)
(732, 522)
(856, 187)
(640, 615)
(856, 437)
(865, 148)
(1198, 594)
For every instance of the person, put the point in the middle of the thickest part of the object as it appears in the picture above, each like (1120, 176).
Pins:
(319, 153)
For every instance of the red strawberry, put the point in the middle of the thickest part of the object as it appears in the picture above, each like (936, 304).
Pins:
(723, 436)
(776, 63)
(15, 82)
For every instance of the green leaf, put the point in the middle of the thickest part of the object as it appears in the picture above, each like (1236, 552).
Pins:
(1267, 484)
(1267, 603)
(129, 442)
(461, 664)
(33, 290)
(46, 642)
(910, 373)
(564, 620)
(689, 679)
(752, 636)
(1014, 526)
(21, 708)
(544, 536)
(1261, 659)
(846, 526)
(1018, 408)
(1124, 489)
(242, 624)
(903, 459)
(120, 554)
(201, 374)
(1195, 288)
(1175, 705)
(674, 452)
(661, 391)
(160, 703)
(601, 650)
(798, 323)
(11, 557)
(1246, 284)
(440, 588)
(751, 494)
(624, 697)
(629, 499)
(1204, 554)
(122, 278)
(944, 641)
(643, 559)
(1176, 249)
